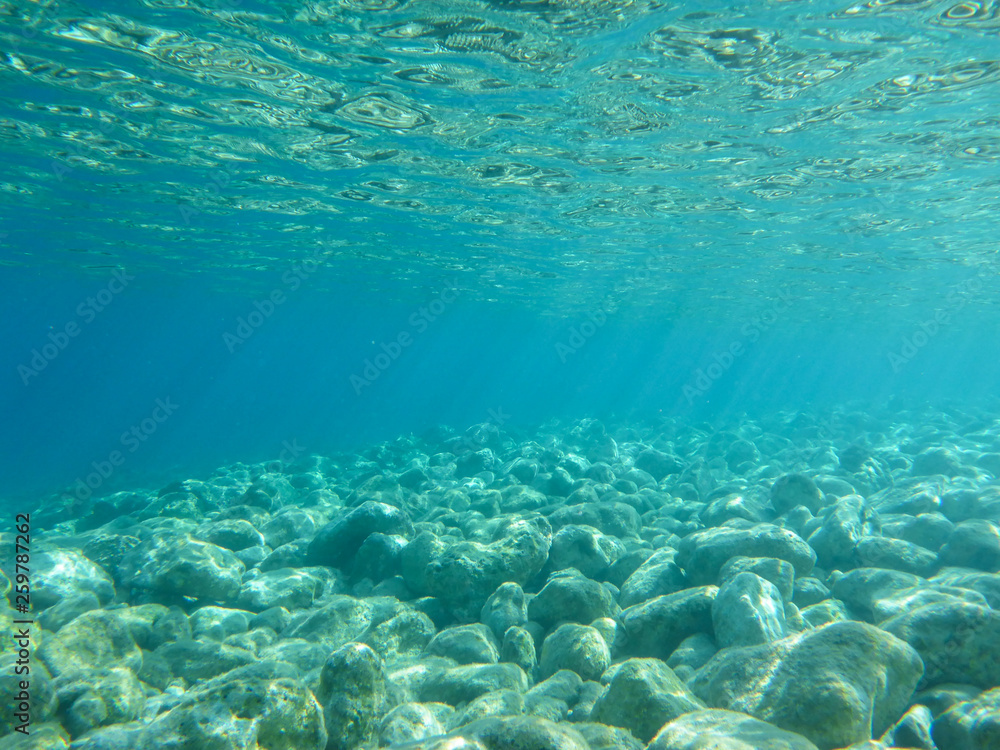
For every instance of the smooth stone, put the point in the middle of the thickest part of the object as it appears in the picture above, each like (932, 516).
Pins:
(748, 610)
(725, 730)
(412, 722)
(98, 697)
(896, 554)
(867, 678)
(779, 572)
(659, 575)
(95, 640)
(232, 534)
(510, 732)
(972, 725)
(569, 596)
(861, 589)
(973, 544)
(466, 644)
(642, 696)
(808, 591)
(574, 647)
(505, 608)
(585, 549)
(845, 524)
(352, 690)
(338, 542)
(217, 623)
(65, 573)
(913, 730)
(792, 490)
(958, 642)
(703, 553)
(519, 648)
(655, 628)
(283, 587)
(171, 568)
(462, 684)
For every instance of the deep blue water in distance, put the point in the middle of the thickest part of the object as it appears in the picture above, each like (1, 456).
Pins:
(290, 383)
(589, 213)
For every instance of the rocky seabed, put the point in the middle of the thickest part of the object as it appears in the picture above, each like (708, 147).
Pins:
(795, 582)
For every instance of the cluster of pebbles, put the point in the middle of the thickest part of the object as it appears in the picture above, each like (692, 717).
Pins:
(797, 582)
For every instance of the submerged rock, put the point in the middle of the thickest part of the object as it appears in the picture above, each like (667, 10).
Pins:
(569, 596)
(509, 732)
(655, 628)
(725, 729)
(505, 608)
(792, 490)
(642, 696)
(958, 641)
(775, 682)
(703, 553)
(216, 614)
(351, 691)
(466, 644)
(971, 725)
(57, 575)
(171, 568)
(94, 640)
(748, 610)
(336, 543)
(579, 648)
(464, 574)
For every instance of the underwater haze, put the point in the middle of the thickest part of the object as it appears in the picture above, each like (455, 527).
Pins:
(384, 343)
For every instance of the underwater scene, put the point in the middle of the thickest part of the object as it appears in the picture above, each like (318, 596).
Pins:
(500, 375)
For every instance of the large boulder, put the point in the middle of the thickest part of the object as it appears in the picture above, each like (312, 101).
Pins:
(95, 640)
(464, 574)
(958, 641)
(971, 725)
(748, 610)
(569, 596)
(835, 685)
(338, 542)
(174, 568)
(725, 730)
(703, 553)
(642, 696)
(655, 628)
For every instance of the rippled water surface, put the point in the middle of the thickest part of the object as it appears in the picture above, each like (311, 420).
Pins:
(531, 147)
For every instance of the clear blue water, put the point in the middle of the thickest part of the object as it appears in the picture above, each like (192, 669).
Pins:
(566, 209)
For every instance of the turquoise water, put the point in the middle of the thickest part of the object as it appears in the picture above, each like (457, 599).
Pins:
(307, 245)
(676, 171)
